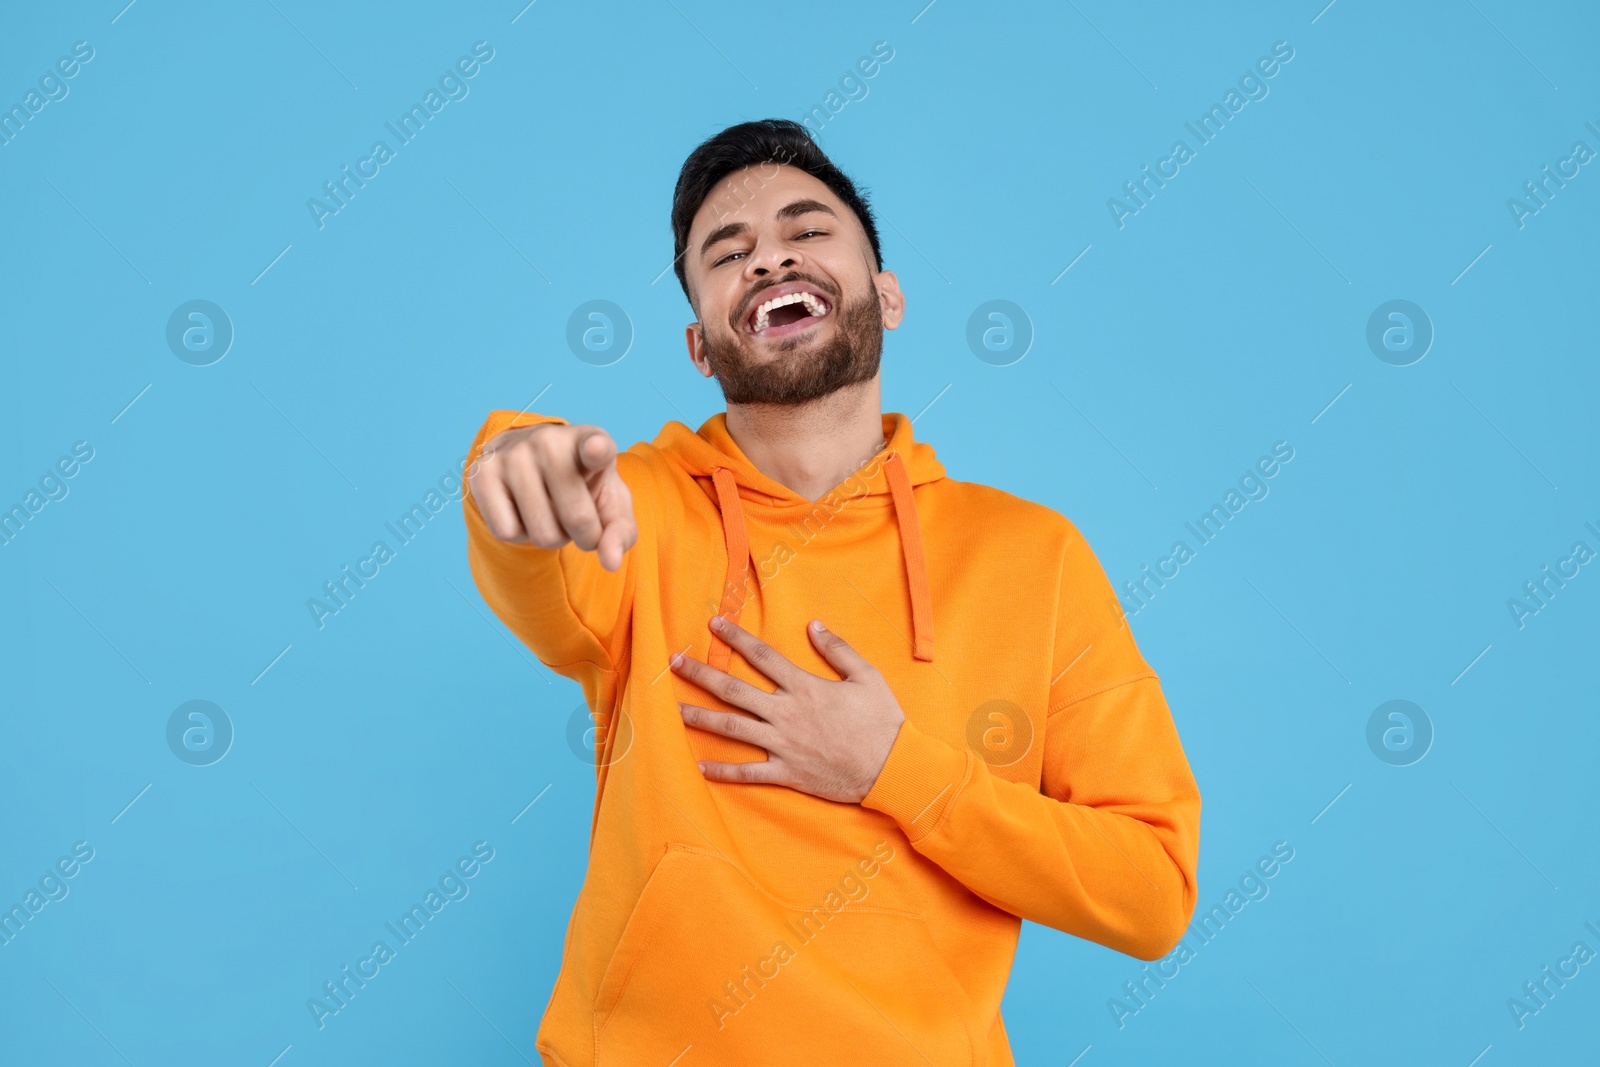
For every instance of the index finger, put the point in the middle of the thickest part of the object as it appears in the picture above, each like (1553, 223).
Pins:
(760, 655)
(619, 530)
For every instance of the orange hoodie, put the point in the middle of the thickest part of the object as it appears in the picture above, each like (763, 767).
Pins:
(1038, 774)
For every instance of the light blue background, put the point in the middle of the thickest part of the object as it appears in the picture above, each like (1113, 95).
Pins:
(1226, 316)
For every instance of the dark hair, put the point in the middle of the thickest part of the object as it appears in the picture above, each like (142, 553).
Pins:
(750, 144)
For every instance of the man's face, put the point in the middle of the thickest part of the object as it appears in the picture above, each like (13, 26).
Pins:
(790, 305)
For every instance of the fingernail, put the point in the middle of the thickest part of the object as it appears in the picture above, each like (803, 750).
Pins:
(816, 624)
(677, 659)
(718, 622)
(702, 767)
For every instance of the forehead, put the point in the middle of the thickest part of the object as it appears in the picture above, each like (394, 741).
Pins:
(755, 194)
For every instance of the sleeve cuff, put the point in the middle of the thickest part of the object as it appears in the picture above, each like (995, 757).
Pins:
(919, 781)
(499, 421)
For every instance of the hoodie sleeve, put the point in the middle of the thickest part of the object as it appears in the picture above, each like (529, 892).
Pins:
(1107, 846)
(560, 602)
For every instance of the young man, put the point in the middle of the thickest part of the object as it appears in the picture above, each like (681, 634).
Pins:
(815, 844)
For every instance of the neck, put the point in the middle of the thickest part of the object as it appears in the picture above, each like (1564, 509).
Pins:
(812, 447)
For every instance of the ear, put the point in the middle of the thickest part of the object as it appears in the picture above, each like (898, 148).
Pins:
(695, 339)
(890, 296)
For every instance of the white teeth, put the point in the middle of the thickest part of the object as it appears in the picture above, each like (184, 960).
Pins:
(814, 305)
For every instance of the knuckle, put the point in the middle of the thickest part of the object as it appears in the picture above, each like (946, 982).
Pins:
(546, 536)
(540, 446)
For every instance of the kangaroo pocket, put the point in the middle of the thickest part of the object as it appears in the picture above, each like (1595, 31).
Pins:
(712, 965)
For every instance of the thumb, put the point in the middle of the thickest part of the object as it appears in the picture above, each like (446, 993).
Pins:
(844, 659)
(596, 451)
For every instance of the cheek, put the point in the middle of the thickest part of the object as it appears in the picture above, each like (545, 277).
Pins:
(725, 314)
(720, 340)
(713, 303)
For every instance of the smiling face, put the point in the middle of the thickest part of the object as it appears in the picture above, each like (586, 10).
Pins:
(792, 306)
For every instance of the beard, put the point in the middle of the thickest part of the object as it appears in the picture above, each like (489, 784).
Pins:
(804, 368)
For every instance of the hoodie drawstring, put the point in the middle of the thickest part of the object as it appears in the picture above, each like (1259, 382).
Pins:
(738, 546)
(905, 513)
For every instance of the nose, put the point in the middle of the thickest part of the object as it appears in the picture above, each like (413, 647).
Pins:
(770, 256)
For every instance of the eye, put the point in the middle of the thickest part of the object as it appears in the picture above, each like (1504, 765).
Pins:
(732, 255)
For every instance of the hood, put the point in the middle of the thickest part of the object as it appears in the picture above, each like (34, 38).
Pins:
(712, 457)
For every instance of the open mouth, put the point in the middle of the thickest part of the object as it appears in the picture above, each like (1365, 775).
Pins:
(787, 313)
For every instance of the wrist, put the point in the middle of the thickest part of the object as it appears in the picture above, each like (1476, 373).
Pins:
(919, 781)
(875, 770)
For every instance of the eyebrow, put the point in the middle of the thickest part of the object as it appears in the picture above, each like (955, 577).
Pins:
(791, 210)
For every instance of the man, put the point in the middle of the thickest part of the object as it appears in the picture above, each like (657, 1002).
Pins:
(858, 719)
